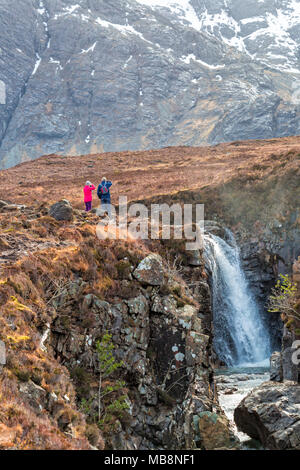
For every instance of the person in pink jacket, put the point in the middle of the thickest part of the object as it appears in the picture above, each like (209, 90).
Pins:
(88, 195)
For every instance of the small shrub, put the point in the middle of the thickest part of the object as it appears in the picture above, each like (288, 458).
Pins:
(284, 300)
(111, 401)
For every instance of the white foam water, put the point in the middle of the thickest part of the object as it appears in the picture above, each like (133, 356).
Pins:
(240, 335)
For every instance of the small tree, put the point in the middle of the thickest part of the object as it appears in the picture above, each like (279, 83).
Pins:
(284, 299)
(107, 366)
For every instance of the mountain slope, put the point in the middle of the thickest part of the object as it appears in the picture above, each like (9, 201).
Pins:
(156, 173)
(115, 75)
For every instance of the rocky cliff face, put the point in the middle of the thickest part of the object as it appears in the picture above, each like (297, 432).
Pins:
(60, 299)
(113, 75)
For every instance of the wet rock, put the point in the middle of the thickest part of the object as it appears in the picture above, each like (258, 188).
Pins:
(242, 377)
(62, 210)
(150, 271)
(222, 379)
(230, 391)
(271, 414)
(276, 367)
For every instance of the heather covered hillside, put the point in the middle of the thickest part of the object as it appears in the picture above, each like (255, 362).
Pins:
(133, 344)
(141, 326)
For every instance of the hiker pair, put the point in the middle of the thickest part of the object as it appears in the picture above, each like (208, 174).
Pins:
(103, 193)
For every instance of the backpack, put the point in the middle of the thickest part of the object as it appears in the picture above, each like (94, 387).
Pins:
(104, 189)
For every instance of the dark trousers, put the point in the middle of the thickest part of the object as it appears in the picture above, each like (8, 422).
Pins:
(88, 206)
(106, 206)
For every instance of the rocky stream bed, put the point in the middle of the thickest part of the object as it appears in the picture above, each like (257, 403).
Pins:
(234, 384)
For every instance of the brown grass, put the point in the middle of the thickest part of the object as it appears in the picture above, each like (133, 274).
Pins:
(139, 175)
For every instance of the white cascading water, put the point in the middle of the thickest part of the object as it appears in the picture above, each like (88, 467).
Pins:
(240, 336)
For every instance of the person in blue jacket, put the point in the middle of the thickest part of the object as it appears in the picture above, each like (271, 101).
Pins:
(103, 193)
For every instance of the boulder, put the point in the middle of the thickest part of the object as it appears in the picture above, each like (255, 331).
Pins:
(271, 414)
(215, 432)
(276, 367)
(150, 271)
(61, 210)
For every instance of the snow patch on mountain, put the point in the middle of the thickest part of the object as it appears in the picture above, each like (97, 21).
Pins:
(270, 41)
(37, 64)
(182, 9)
(190, 57)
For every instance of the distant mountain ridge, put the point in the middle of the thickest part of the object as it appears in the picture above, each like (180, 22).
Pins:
(119, 75)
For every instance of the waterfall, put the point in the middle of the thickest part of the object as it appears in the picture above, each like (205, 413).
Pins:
(240, 335)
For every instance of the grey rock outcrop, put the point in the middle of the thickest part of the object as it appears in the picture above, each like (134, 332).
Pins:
(271, 414)
(117, 75)
(165, 349)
